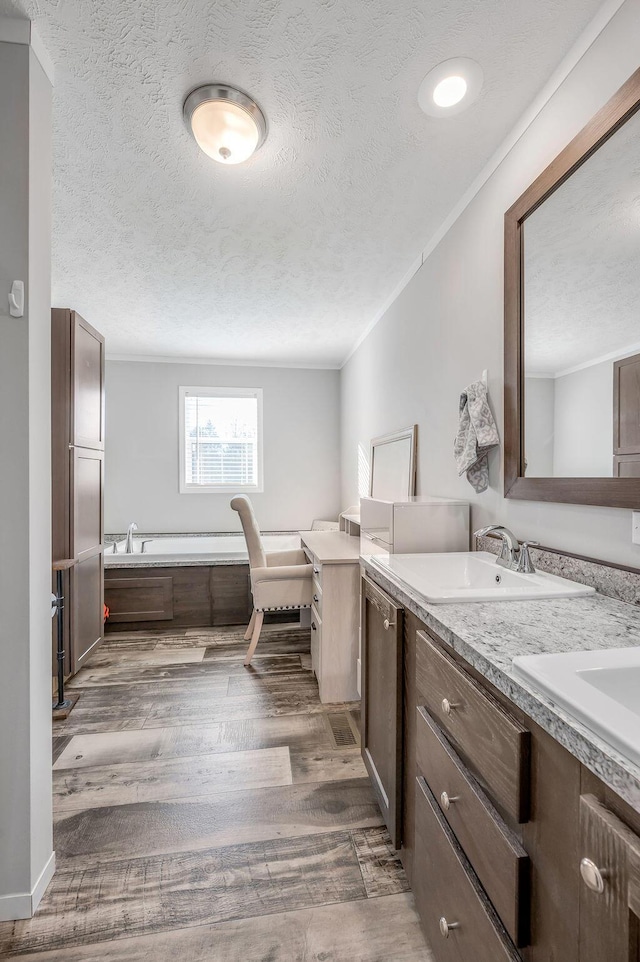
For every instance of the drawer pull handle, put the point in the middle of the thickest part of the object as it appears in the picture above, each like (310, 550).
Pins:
(592, 876)
(448, 706)
(447, 799)
(316, 599)
(446, 927)
(313, 626)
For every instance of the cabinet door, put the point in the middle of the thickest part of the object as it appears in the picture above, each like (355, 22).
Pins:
(87, 499)
(382, 701)
(87, 600)
(87, 408)
(626, 466)
(608, 930)
(86, 547)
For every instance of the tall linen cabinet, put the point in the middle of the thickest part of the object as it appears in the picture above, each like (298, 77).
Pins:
(77, 455)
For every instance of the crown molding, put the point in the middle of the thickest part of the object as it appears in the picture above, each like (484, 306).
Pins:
(17, 30)
(219, 362)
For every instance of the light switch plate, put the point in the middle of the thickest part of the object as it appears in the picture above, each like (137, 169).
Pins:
(635, 527)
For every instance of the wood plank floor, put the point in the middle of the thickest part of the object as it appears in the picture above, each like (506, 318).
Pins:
(204, 810)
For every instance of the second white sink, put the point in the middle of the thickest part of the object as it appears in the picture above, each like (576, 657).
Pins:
(600, 688)
(473, 576)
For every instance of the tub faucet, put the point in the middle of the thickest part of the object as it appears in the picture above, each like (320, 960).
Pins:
(128, 545)
(510, 551)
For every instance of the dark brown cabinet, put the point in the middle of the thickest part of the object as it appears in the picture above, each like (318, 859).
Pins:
(382, 701)
(626, 417)
(77, 452)
(496, 816)
(608, 896)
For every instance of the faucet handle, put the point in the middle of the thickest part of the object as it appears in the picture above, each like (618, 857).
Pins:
(525, 564)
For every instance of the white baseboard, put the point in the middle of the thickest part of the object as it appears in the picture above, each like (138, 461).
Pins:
(22, 905)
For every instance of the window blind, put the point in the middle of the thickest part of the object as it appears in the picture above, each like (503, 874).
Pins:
(221, 441)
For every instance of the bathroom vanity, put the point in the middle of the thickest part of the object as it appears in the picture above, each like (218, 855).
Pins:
(518, 827)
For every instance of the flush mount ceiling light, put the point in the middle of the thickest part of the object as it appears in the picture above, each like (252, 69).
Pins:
(225, 122)
(450, 87)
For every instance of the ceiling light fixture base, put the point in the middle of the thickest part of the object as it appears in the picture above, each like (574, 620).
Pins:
(219, 95)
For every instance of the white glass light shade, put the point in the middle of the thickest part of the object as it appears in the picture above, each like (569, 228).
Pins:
(226, 124)
(224, 131)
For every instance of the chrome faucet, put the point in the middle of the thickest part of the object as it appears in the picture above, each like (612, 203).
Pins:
(513, 555)
(128, 545)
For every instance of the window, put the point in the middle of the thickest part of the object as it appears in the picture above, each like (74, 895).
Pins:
(220, 439)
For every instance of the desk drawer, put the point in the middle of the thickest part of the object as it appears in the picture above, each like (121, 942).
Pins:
(316, 647)
(317, 569)
(493, 743)
(448, 893)
(497, 857)
(317, 595)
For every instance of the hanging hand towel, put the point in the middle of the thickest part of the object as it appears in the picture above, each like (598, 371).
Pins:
(477, 434)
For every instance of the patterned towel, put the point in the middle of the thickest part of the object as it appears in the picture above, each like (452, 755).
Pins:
(477, 434)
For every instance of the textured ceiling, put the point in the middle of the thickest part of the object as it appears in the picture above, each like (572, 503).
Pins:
(288, 257)
(582, 262)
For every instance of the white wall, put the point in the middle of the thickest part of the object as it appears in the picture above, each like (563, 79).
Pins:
(447, 326)
(301, 447)
(583, 430)
(539, 427)
(26, 856)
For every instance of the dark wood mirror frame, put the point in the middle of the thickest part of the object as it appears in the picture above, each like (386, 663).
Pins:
(613, 492)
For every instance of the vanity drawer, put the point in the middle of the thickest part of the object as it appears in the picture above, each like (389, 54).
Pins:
(448, 893)
(497, 857)
(316, 634)
(493, 743)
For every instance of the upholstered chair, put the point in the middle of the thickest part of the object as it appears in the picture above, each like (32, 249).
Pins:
(280, 580)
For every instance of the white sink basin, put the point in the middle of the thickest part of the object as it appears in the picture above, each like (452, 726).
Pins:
(600, 688)
(473, 576)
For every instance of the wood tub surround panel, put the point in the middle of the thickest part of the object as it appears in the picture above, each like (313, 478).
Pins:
(186, 596)
(493, 743)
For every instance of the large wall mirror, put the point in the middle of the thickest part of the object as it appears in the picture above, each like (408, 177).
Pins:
(572, 319)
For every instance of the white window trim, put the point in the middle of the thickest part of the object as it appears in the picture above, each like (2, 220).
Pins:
(184, 392)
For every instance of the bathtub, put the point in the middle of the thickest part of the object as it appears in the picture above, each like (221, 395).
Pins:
(194, 550)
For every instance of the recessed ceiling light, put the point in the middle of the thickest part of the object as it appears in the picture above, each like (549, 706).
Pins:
(450, 87)
(450, 91)
(225, 122)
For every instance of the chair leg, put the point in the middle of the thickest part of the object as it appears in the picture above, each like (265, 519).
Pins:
(257, 628)
(249, 630)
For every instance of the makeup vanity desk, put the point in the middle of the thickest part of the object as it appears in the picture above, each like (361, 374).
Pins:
(335, 612)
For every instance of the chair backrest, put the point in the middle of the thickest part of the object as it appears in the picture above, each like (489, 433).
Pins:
(257, 557)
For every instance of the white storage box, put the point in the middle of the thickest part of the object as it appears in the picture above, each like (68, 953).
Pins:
(419, 524)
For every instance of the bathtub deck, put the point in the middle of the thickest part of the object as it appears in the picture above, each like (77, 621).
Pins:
(203, 811)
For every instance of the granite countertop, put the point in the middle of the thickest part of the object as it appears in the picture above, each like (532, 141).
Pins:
(193, 561)
(489, 635)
